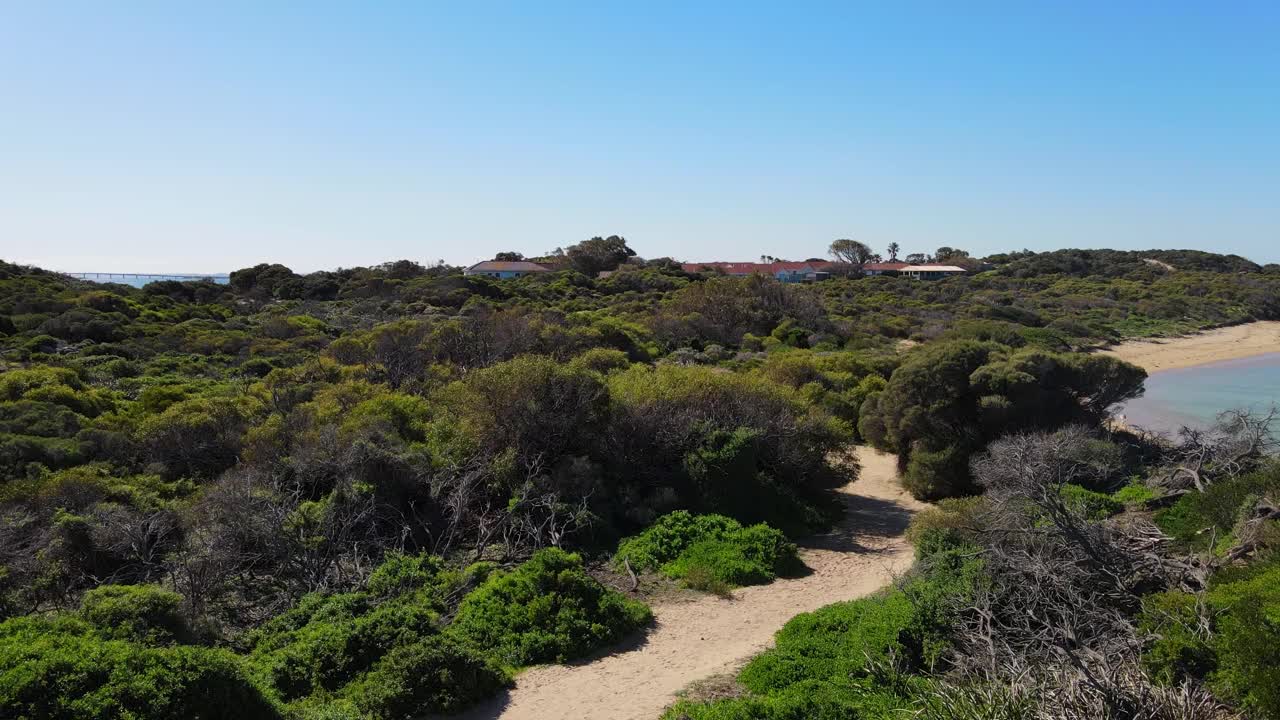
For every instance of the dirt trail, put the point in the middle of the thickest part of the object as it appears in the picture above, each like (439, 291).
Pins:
(708, 635)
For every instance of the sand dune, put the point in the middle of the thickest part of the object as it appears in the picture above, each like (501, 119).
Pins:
(1229, 343)
(705, 636)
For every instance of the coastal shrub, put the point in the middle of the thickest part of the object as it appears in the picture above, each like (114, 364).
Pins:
(547, 609)
(831, 643)
(1199, 516)
(147, 613)
(671, 535)
(1230, 636)
(807, 700)
(1179, 647)
(949, 523)
(735, 443)
(709, 550)
(1090, 504)
(1247, 604)
(59, 672)
(437, 674)
(947, 400)
(906, 629)
(328, 640)
(1135, 493)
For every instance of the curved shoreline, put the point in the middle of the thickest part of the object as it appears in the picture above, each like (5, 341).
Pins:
(1228, 343)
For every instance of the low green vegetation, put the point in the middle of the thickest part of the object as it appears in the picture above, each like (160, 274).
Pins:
(546, 610)
(709, 552)
(303, 493)
(386, 652)
(1001, 576)
(1229, 637)
(865, 658)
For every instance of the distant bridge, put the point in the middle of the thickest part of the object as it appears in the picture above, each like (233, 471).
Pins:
(143, 278)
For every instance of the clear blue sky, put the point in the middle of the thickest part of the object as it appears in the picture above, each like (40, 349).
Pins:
(209, 136)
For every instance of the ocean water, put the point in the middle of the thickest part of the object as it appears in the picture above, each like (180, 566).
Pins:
(138, 280)
(1194, 396)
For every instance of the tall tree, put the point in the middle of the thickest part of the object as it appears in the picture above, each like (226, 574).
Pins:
(849, 251)
(917, 258)
(893, 251)
(945, 253)
(591, 256)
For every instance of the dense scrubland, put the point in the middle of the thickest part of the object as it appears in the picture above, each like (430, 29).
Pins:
(380, 492)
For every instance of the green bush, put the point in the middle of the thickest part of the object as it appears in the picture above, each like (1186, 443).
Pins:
(1199, 516)
(435, 675)
(1178, 648)
(831, 643)
(936, 474)
(1248, 641)
(859, 659)
(807, 700)
(328, 640)
(548, 609)
(670, 536)
(1241, 658)
(50, 671)
(1090, 504)
(146, 613)
(713, 549)
(1135, 493)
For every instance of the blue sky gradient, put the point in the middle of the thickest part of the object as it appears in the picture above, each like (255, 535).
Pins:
(152, 137)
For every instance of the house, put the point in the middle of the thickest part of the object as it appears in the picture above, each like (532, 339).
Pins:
(505, 269)
(931, 272)
(883, 267)
(787, 272)
(791, 272)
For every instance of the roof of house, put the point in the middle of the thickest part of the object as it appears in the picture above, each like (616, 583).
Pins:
(936, 268)
(507, 266)
(733, 268)
(774, 267)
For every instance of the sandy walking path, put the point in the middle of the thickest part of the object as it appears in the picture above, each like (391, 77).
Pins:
(1229, 343)
(697, 638)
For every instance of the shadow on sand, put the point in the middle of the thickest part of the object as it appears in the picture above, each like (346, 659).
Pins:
(864, 517)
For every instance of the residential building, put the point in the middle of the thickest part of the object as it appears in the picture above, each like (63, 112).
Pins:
(791, 272)
(882, 268)
(505, 269)
(931, 272)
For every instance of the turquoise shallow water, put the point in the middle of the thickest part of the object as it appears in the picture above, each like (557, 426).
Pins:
(1194, 396)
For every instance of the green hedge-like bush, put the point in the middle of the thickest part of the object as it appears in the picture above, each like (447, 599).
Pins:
(135, 612)
(329, 640)
(63, 671)
(681, 544)
(435, 675)
(1241, 659)
(548, 609)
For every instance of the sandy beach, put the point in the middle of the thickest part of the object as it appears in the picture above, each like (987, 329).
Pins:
(1229, 343)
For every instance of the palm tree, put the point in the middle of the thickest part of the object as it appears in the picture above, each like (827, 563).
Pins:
(893, 251)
